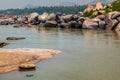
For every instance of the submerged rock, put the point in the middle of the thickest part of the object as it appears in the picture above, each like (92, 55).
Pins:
(15, 38)
(2, 44)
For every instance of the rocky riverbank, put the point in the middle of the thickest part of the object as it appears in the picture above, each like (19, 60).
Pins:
(110, 21)
(10, 59)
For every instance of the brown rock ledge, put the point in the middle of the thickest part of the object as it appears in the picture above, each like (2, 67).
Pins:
(10, 59)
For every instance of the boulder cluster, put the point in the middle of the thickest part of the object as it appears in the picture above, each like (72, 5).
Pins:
(110, 21)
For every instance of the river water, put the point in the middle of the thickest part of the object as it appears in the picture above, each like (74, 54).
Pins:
(86, 54)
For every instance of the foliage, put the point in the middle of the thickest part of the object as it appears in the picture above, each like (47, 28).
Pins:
(40, 10)
(116, 5)
(87, 14)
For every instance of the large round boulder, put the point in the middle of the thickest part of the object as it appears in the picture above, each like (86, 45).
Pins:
(50, 24)
(33, 16)
(117, 27)
(101, 17)
(80, 14)
(115, 15)
(111, 24)
(52, 16)
(89, 8)
(118, 18)
(98, 6)
(90, 24)
(110, 16)
(43, 17)
(67, 18)
(81, 19)
(102, 24)
(75, 17)
(64, 25)
(74, 24)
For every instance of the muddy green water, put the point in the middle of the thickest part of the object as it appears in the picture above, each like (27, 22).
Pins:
(87, 54)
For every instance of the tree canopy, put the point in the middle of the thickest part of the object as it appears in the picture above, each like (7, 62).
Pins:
(63, 9)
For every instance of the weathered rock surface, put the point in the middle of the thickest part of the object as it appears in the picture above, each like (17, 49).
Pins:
(10, 59)
(90, 24)
(67, 18)
(43, 17)
(118, 18)
(117, 27)
(33, 16)
(98, 6)
(111, 24)
(50, 24)
(89, 8)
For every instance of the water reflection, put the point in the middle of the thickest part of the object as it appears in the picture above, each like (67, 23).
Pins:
(92, 38)
(87, 54)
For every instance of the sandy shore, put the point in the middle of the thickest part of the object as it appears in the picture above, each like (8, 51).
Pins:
(10, 59)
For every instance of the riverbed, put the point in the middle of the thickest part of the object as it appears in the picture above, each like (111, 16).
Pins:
(86, 54)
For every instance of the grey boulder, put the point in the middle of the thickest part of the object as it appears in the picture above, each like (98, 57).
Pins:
(50, 24)
(90, 24)
(111, 24)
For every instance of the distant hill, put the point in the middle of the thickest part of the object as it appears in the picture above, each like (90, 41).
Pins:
(40, 10)
(67, 4)
(30, 6)
(102, 1)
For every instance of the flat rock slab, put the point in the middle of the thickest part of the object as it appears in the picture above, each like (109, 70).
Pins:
(10, 59)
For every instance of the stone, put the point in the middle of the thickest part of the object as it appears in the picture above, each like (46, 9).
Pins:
(101, 17)
(117, 27)
(89, 8)
(98, 6)
(110, 15)
(90, 24)
(111, 24)
(32, 16)
(27, 66)
(52, 16)
(43, 17)
(74, 24)
(67, 18)
(80, 14)
(95, 13)
(50, 24)
(2, 44)
(75, 17)
(64, 25)
(102, 24)
(96, 19)
(81, 19)
(11, 59)
(15, 38)
(118, 18)
(115, 15)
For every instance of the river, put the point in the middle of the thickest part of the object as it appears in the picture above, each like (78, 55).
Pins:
(86, 54)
